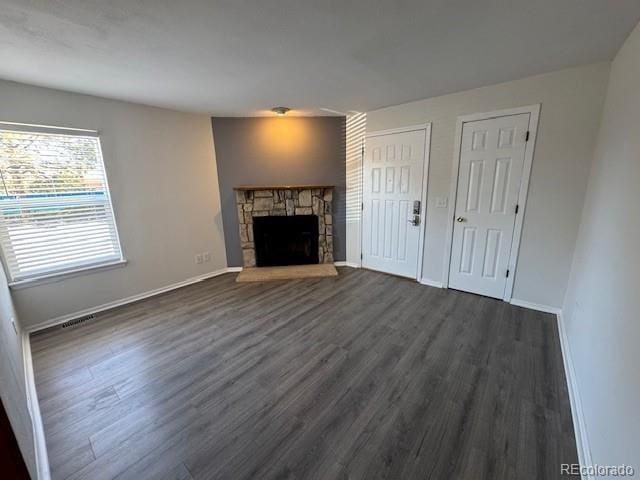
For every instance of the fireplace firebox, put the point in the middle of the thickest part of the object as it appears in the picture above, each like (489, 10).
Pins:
(286, 240)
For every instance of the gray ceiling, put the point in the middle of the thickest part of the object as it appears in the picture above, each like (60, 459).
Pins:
(241, 57)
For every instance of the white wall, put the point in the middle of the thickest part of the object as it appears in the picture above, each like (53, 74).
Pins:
(571, 107)
(12, 380)
(163, 179)
(602, 307)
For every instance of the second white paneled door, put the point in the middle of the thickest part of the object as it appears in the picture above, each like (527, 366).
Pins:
(492, 154)
(393, 210)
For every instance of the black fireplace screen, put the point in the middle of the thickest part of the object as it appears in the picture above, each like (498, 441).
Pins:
(284, 240)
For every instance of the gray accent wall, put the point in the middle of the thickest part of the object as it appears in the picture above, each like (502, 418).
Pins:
(279, 151)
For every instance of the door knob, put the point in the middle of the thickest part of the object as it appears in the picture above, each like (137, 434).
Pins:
(460, 219)
(415, 221)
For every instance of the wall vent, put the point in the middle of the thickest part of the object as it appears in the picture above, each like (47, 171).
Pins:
(78, 321)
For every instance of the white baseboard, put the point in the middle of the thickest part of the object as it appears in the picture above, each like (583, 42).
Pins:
(346, 264)
(39, 443)
(431, 283)
(234, 269)
(535, 306)
(577, 414)
(124, 301)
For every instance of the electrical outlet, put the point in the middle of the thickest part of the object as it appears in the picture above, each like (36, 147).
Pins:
(198, 258)
(206, 256)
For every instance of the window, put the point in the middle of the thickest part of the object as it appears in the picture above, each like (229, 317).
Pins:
(355, 130)
(55, 210)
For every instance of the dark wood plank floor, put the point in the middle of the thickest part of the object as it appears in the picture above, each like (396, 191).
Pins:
(360, 376)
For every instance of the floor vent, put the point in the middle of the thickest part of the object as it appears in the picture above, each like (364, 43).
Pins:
(78, 321)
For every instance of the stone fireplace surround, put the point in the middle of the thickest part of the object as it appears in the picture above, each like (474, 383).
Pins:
(285, 200)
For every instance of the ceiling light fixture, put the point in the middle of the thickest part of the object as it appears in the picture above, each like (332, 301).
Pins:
(280, 110)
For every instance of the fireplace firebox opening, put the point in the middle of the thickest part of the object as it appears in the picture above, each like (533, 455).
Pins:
(286, 240)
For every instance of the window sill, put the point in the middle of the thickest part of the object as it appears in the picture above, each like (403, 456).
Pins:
(57, 277)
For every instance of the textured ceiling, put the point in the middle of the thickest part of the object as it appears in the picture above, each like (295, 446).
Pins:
(241, 57)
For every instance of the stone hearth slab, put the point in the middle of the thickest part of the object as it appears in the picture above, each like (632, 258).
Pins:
(264, 274)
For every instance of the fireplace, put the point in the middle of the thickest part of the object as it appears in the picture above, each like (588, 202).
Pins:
(281, 240)
(299, 222)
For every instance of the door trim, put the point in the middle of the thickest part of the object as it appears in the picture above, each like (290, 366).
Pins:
(534, 115)
(425, 182)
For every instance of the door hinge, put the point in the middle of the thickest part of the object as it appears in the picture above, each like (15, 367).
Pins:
(517, 208)
(362, 206)
(526, 137)
(507, 273)
(361, 256)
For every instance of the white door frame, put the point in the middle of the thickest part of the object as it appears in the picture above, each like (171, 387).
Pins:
(425, 182)
(534, 111)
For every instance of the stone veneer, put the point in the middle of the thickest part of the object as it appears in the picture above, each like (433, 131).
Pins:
(285, 201)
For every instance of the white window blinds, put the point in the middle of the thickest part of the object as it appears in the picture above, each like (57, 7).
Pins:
(55, 210)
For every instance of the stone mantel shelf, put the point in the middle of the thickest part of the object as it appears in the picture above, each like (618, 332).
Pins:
(280, 187)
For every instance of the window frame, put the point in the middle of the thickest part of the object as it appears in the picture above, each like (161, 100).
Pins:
(74, 269)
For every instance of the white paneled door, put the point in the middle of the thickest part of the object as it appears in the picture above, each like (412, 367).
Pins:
(392, 217)
(492, 154)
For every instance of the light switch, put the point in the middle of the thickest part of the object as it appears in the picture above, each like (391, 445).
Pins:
(441, 202)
